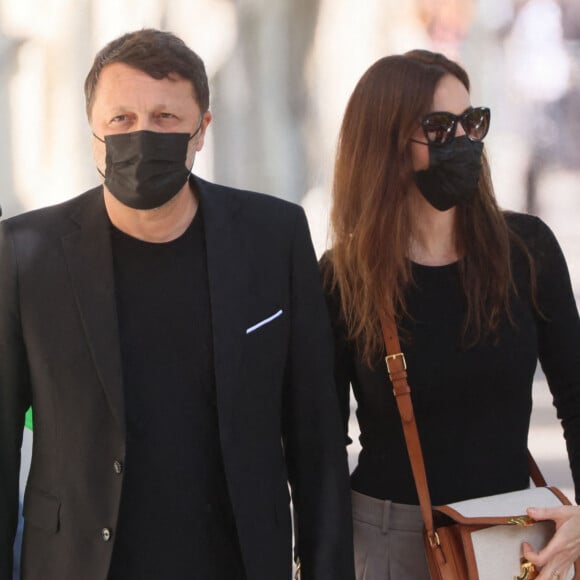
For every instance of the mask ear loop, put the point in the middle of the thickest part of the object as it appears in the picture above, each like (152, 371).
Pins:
(102, 141)
(190, 138)
(197, 130)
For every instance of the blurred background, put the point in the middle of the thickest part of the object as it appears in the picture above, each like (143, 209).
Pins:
(281, 72)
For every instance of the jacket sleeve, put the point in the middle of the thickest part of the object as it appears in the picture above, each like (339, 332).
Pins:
(14, 399)
(312, 432)
(559, 339)
(343, 355)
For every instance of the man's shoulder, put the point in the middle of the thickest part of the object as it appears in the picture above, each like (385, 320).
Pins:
(252, 201)
(51, 216)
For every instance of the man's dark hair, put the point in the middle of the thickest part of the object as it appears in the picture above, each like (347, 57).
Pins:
(155, 52)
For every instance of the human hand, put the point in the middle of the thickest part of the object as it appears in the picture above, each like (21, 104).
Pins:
(556, 558)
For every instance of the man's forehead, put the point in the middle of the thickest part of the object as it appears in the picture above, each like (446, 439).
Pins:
(123, 71)
(119, 81)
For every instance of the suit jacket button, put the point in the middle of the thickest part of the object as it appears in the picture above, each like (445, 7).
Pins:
(106, 534)
(118, 467)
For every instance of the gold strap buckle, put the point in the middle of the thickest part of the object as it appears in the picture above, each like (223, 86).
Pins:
(434, 541)
(527, 572)
(524, 521)
(395, 356)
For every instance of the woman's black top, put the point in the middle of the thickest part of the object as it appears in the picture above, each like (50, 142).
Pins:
(472, 405)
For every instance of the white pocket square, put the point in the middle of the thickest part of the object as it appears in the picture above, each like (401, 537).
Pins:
(265, 321)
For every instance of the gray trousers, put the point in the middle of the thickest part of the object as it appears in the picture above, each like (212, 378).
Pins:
(388, 540)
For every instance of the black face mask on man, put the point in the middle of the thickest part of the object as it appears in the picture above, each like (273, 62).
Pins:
(453, 174)
(145, 169)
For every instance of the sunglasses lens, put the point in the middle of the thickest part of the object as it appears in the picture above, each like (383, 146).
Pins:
(476, 123)
(439, 128)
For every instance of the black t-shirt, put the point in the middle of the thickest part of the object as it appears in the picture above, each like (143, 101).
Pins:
(472, 405)
(175, 518)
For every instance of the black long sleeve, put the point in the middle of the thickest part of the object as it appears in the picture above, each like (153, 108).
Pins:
(472, 405)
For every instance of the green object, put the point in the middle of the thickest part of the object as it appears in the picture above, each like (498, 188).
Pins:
(28, 421)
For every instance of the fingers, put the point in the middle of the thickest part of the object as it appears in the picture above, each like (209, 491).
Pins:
(536, 513)
(556, 558)
(558, 514)
(538, 559)
(552, 573)
(551, 513)
(549, 562)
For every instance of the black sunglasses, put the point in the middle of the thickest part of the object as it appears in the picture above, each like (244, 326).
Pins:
(440, 127)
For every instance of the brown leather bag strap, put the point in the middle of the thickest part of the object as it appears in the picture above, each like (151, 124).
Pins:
(535, 472)
(397, 369)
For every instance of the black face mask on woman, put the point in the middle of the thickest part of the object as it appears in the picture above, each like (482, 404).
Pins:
(453, 174)
(145, 169)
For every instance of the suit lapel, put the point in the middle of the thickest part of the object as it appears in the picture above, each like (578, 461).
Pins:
(89, 257)
(228, 288)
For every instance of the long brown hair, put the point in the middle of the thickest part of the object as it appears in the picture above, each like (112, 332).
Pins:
(370, 216)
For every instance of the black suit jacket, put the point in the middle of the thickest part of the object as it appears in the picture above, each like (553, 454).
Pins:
(278, 415)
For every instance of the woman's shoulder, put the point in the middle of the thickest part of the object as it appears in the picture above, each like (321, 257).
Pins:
(531, 230)
(536, 239)
(524, 224)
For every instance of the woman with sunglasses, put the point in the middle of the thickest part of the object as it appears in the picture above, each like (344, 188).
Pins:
(478, 295)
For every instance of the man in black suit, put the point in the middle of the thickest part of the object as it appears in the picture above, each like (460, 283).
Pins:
(171, 337)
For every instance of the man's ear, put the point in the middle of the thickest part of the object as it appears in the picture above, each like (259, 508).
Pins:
(200, 139)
